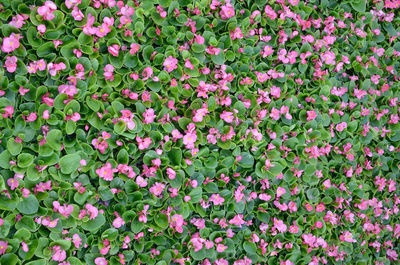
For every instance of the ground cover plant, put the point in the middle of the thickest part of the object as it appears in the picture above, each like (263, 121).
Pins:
(199, 132)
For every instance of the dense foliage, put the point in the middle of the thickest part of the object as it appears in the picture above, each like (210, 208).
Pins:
(199, 132)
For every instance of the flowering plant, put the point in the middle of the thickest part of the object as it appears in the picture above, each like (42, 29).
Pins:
(199, 132)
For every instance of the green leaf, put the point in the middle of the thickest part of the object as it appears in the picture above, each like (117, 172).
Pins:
(74, 261)
(175, 156)
(94, 224)
(29, 205)
(250, 247)
(247, 160)
(161, 220)
(5, 158)
(218, 59)
(9, 259)
(313, 195)
(54, 139)
(123, 157)
(164, 3)
(276, 169)
(69, 163)
(199, 255)
(196, 195)
(136, 226)
(27, 223)
(38, 262)
(358, 5)
(105, 193)
(24, 160)
(119, 127)
(154, 86)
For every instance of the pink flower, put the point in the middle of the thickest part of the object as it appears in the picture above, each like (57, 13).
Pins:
(41, 65)
(76, 239)
(9, 110)
(189, 140)
(275, 114)
(127, 117)
(75, 117)
(170, 64)
(276, 91)
(134, 48)
(341, 126)
(56, 43)
(18, 21)
(53, 68)
(69, 90)
(46, 11)
(77, 14)
(118, 222)
(10, 43)
(267, 51)
(106, 172)
(212, 50)
(264, 197)
(41, 28)
(293, 3)
(280, 191)
(100, 261)
(93, 211)
(271, 14)
(148, 116)
(171, 173)
(13, 183)
(104, 29)
(31, 117)
(143, 143)
(59, 254)
(147, 73)
(46, 114)
(25, 247)
(227, 116)
(237, 220)
(3, 247)
(11, 64)
(227, 11)
(65, 210)
(348, 237)
(141, 181)
(177, 222)
(279, 225)
(47, 222)
(328, 57)
(198, 39)
(108, 72)
(327, 183)
(221, 248)
(114, 49)
(217, 199)
(311, 115)
(157, 189)
(236, 34)
(188, 64)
